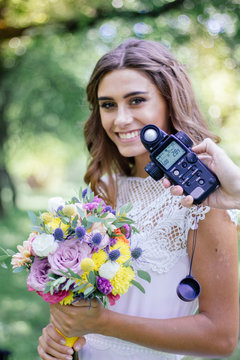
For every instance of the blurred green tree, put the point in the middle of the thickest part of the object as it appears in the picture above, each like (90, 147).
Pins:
(48, 48)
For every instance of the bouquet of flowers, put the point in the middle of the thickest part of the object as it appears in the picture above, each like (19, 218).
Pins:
(80, 250)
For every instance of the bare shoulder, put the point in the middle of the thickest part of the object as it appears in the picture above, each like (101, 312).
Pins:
(218, 227)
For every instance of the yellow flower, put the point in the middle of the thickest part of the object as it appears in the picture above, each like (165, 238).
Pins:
(87, 264)
(55, 223)
(124, 250)
(69, 210)
(99, 258)
(47, 217)
(67, 300)
(122, 280)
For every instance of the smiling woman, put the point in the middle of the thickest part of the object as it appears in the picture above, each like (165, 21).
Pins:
(140, 83)
(134, 103)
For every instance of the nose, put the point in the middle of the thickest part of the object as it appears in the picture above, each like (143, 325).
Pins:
(123, 117)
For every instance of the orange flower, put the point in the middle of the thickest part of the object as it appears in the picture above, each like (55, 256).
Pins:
(120, 236)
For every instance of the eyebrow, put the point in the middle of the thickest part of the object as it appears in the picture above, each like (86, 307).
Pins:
(125, 96)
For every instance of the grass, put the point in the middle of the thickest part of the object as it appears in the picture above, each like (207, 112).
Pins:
(23, 314)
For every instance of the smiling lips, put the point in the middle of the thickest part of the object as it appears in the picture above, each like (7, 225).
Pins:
(129, 135)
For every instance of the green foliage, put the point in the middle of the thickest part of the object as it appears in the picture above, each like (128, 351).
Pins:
(48, 50)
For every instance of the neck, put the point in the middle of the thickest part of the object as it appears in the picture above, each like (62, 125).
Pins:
(140, 163)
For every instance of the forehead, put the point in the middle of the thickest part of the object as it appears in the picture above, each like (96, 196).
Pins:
(125, 80)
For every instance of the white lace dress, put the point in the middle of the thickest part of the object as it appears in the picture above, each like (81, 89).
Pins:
(163, 224)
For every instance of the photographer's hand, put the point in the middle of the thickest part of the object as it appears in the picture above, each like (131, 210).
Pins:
(227, 196)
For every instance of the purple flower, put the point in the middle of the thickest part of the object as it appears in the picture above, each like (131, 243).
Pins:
(84, 193)
(58, 234)
(69, 254)
(104, 285)
(113, 241)
(126, 230)
(38, 276)
(96, 239)
(94, 204)
(136, 253)
(114, 254)
(108, 208)
(80, 232)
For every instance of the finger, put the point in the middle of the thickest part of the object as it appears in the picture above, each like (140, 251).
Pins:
(54, 334)
(53, 346)
(43, 355)
(79, 343)
(51, 354)
(176, 190)
(166, 183)
(187, 201)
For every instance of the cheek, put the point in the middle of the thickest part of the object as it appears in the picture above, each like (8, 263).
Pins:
(106, 120)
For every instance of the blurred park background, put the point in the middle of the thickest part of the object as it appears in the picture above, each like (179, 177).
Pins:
(48, 49)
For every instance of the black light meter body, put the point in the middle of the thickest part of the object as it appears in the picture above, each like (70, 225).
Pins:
(173, 157)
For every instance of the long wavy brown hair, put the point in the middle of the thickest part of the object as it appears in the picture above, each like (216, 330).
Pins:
(170, 78)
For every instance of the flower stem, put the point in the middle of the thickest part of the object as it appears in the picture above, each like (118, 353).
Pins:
(75, 355)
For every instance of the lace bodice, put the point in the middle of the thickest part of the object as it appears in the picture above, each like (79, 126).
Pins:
(162, 221)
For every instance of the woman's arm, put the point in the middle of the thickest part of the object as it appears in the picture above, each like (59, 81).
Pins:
(211, 332)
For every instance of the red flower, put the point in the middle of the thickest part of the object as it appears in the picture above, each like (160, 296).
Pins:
(113, 298)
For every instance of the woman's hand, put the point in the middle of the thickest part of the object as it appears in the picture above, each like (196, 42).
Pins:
(79, 318)
(227, 196)
(51, 345)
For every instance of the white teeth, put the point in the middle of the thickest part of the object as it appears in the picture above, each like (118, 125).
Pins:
(129, 135)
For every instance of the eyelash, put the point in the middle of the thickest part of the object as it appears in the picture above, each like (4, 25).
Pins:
(109, 105)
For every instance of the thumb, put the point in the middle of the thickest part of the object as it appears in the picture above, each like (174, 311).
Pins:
(81, 341)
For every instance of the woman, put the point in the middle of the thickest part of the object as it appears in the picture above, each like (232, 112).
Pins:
(136, 84)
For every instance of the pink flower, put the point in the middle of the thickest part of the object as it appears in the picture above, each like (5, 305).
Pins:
(69, 254)
(38, 276)
(54, 298)
(113, 298)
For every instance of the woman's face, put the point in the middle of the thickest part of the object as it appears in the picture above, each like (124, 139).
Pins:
(129, 100)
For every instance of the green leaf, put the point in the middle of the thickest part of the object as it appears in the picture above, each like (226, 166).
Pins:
(144, 275)
(36, 228)
(93, 219)
(135, 230)
(68, 284)
(80, 194)
(139, 286)
(89, 290)
(127, 263)
(33, 217)
(4, 257)
(10, 252)
(73, 274)
(47, 288)
(19, 269)
(92, 278)
(80, 287)
(4, 265)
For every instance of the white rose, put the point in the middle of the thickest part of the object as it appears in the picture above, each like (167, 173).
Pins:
(44, 244)
(54, 203)
(105, 241)
(109, 269)
(98, 228)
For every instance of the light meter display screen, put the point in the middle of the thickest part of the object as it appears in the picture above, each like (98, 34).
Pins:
(170, 155)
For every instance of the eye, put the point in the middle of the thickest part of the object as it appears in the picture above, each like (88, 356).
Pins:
(137, 100)
(107, 105)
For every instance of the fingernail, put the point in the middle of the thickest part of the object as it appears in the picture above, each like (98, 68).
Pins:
(78, 347)
(70, 351)
(68, 357)
(63, 341)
